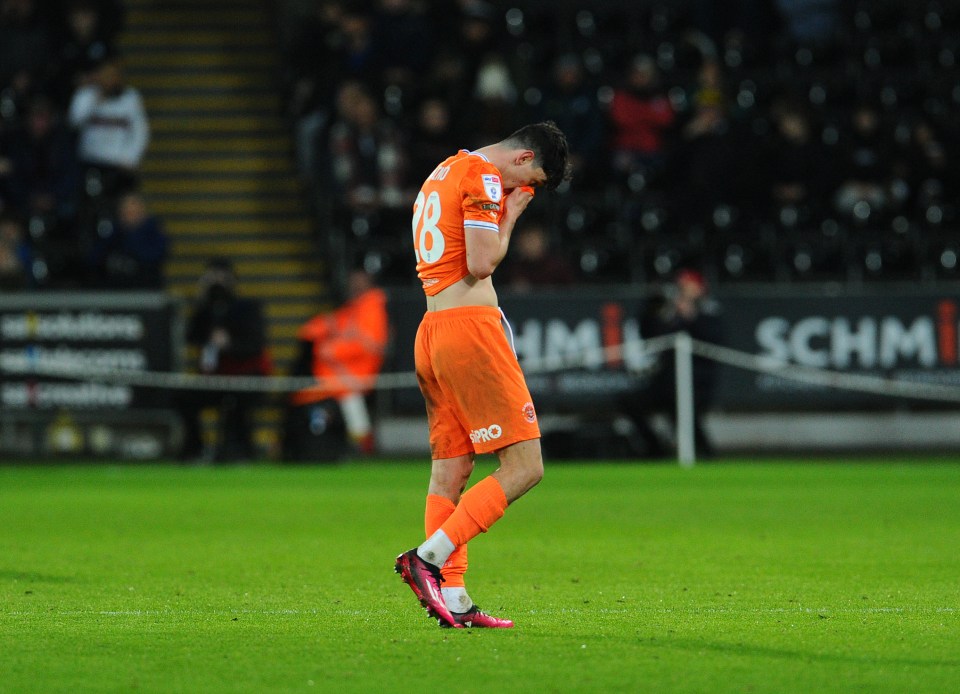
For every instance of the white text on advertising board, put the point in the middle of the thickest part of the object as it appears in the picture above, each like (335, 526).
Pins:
(841, 343)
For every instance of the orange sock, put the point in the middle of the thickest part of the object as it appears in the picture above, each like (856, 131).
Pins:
(439, 508)
(480, 507)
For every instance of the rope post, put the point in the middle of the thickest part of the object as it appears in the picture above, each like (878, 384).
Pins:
(683, 368)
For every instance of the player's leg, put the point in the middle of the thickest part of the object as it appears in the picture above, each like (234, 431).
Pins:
(501, 419)
(440, 587)
(521, 468)
(452, 455)
(447, 482)
(499, 416)
(448, 479)
(449, 476)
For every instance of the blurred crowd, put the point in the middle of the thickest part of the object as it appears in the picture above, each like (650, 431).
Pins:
(770, 140)
(72, 135)
(757, 140)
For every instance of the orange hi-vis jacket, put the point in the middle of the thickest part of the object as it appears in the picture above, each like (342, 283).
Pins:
(348, 344)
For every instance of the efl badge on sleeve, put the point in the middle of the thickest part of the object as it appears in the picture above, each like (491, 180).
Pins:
(491, 184)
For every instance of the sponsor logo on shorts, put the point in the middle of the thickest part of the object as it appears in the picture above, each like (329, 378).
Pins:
(529, 413)
(494, 431)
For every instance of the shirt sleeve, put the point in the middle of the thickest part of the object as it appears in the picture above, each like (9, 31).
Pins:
(82, 105)
(139, 133)
(482, 199)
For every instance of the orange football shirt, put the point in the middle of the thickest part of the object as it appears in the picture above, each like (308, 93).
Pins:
(465, 191)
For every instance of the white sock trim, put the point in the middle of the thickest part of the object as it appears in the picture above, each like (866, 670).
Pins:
(436, 549)
(457, 599)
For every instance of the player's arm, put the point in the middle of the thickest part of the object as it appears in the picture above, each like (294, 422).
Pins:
(487, 242)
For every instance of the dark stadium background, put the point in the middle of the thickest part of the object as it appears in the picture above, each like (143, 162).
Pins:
(797, 153)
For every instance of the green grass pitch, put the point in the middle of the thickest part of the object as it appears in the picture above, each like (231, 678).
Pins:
(734, 577)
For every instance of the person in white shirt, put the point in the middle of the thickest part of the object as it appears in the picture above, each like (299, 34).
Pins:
(112, 128)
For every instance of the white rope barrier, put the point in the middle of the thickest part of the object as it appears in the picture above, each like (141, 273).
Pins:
(24, 365)
(613, 353)
(188, 381)
(824, 377)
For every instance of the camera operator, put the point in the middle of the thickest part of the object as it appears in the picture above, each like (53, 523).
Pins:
(230, 335)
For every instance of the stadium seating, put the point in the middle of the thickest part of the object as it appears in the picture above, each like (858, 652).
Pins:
(899, 57)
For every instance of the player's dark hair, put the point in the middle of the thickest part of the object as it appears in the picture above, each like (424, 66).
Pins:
(549, 144)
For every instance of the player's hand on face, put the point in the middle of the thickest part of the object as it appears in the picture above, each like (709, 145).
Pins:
(518, 199)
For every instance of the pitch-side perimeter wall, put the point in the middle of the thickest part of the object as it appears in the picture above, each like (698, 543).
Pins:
(86, 332)
(569, 343)
(566, 342)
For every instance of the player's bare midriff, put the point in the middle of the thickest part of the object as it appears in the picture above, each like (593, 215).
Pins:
(467, 292)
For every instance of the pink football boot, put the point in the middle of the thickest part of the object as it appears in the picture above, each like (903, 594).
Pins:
(475, 618)
(424, 580)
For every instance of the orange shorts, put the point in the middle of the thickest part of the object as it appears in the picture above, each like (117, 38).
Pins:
(477, 399)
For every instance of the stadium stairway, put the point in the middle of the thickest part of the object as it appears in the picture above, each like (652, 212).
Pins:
(219, 171)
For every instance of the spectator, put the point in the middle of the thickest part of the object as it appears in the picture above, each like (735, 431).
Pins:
(112, 128)
(706, 162)
(6, 172)
(358, 55)
(572, 104)
(404, 39)
(111, 17)
(366, 158)
(640, 116)
(492, 108)
(533, 263)
(314, 80)
(16, 258)
(342, 349)
(334, 55)
(229, 333)
(468, 38)
(685, 307)
(130, 254)
(25, 44)
(85, 42)
(865, 166)
(925, 166)
(332, 43)
(794, 167)
(314, 38)
(13, 276)
(433, 138)
(44, 172)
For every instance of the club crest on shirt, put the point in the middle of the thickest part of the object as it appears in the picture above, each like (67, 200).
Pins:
(529, 413)
(491, 184)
